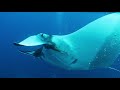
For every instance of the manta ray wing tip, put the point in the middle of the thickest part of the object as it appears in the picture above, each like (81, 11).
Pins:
(16, 44)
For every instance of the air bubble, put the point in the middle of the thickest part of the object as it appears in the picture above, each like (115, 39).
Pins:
(118, 59)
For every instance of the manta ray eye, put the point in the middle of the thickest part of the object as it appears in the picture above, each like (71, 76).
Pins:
(45, 37)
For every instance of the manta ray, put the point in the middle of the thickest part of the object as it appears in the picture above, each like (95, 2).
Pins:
(96, 45)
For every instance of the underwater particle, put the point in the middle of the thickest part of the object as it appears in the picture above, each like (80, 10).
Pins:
(105, 49)
(118, 59)
(112, 43)
(116, 39)
(104, 54)
(115, 34)
(96, 57)
(59, 33)
(96, 48)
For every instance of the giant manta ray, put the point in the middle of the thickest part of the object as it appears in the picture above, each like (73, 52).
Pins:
(96, 45)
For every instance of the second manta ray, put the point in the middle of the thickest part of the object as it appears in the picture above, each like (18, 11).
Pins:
(96, 45)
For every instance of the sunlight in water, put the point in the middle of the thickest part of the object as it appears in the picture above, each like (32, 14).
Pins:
(59, 21)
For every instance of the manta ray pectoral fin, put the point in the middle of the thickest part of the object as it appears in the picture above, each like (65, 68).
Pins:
(17, 44)
(31, 41)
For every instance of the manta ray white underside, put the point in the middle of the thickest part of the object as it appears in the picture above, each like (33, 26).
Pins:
(96, 45)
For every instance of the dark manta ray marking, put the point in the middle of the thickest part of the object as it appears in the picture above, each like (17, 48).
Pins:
(75, 61)
(36, 53)
(51, 47)
(82, 49)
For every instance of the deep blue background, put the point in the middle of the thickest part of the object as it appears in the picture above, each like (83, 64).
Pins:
(16, 26)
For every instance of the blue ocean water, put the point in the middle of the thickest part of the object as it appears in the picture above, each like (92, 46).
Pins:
(16, 26)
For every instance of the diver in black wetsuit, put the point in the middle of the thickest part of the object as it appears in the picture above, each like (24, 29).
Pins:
(39, 53)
